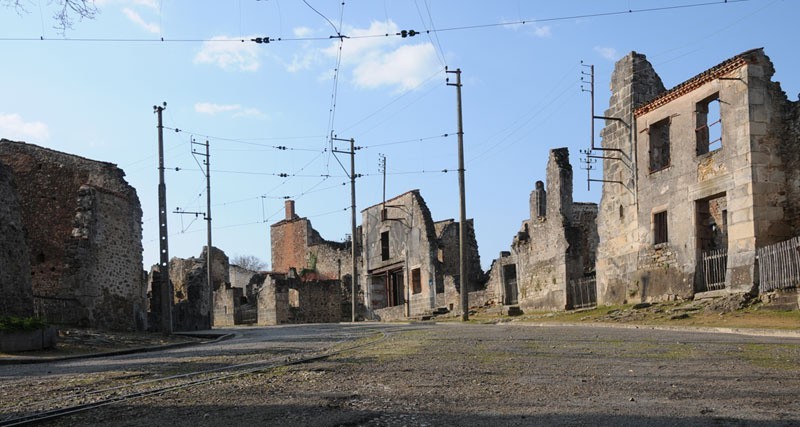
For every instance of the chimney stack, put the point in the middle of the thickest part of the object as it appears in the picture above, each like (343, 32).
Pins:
(290, 210)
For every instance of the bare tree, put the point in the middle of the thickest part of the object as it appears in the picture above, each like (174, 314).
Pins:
(250, 262)
(66, 11)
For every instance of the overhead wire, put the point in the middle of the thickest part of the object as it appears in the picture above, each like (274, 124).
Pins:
(341, 36)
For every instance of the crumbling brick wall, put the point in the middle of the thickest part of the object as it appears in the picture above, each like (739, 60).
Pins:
(15, 267)
(84, 235)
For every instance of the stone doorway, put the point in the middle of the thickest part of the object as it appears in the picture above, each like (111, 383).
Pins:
(510, 296)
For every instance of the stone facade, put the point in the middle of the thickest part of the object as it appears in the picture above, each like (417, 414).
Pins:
(196, 306)
(406, 258)
(554, 247)
(15, 266)
(284, 299)
(711, 164)
(84, 238)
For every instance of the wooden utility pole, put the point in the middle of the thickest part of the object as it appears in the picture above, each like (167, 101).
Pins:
(163, 269)
(462, 211)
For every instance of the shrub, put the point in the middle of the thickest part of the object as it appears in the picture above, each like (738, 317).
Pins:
(15, 324)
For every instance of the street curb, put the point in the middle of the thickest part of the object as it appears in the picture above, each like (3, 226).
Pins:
(24, 360)
(702, 329)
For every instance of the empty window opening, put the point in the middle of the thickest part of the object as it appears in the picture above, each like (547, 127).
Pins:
(540, 200)
(294, 298)
(708, 129)
(659, 145)
(385, 245)
(660, 233)
(621, 212)
(416, 281)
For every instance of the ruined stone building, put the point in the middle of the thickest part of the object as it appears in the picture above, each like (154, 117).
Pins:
(295, 244)
(553, 250)
(410, 263)
(83, 237)
(15, 266)
(289, 299)
(706, 173)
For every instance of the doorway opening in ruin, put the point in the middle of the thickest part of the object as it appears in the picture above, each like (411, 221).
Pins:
(387, 288)
(712, 242)
(510, 284)
(394, 287)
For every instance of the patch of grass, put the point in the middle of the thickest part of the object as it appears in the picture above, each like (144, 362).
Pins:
(785, 357)
(20, 324)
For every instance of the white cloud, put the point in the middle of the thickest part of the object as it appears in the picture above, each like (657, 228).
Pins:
(302, 31)
(543, 31)
(607, 52)
(229, 53)
(376, 61)
(239, 111)
(253, 113)
(137, 19)
(13, 126)
(210, 108)
(405, 67)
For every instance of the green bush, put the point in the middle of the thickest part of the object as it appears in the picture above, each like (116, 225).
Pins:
(15, 324)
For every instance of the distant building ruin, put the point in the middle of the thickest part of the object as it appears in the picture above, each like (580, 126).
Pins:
(410, 264)
(708, 173)
(554, 251)
(83, 226)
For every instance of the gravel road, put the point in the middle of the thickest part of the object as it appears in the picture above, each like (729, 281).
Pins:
(445, 374)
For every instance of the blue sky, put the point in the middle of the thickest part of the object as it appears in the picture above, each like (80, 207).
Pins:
(91, 92)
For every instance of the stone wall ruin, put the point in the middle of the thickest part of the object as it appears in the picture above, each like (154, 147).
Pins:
(84, 238)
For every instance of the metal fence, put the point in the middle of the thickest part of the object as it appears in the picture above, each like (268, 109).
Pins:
(582, 293)
(779, 265)
(714, 265)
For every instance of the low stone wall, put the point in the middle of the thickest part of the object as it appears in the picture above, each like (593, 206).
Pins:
(28, 340)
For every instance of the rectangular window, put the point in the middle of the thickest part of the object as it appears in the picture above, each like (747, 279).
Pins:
(660, 234)
(385, 245)
(659, 145)
(708, 125)
(416, 281)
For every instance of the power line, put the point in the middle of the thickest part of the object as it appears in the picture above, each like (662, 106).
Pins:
(403, 34)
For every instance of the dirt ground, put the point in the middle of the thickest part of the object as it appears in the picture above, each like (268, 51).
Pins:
(503, 374)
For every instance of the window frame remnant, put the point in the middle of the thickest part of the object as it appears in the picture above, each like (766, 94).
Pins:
(660, 227)
(659, 144)
(416, 281)
(385, 246)
(706, 121)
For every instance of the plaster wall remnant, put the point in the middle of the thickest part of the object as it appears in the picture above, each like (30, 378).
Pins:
(84, 238)
(554, 247)
(408, 259)
(15, 266)
(729, 185)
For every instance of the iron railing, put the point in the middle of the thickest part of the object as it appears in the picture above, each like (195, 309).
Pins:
(714, 266)
(582, 293)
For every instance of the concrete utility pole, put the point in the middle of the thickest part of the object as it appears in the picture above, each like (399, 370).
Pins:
(166, 284)
(354, 271)
(462, 214)
(209, 258)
